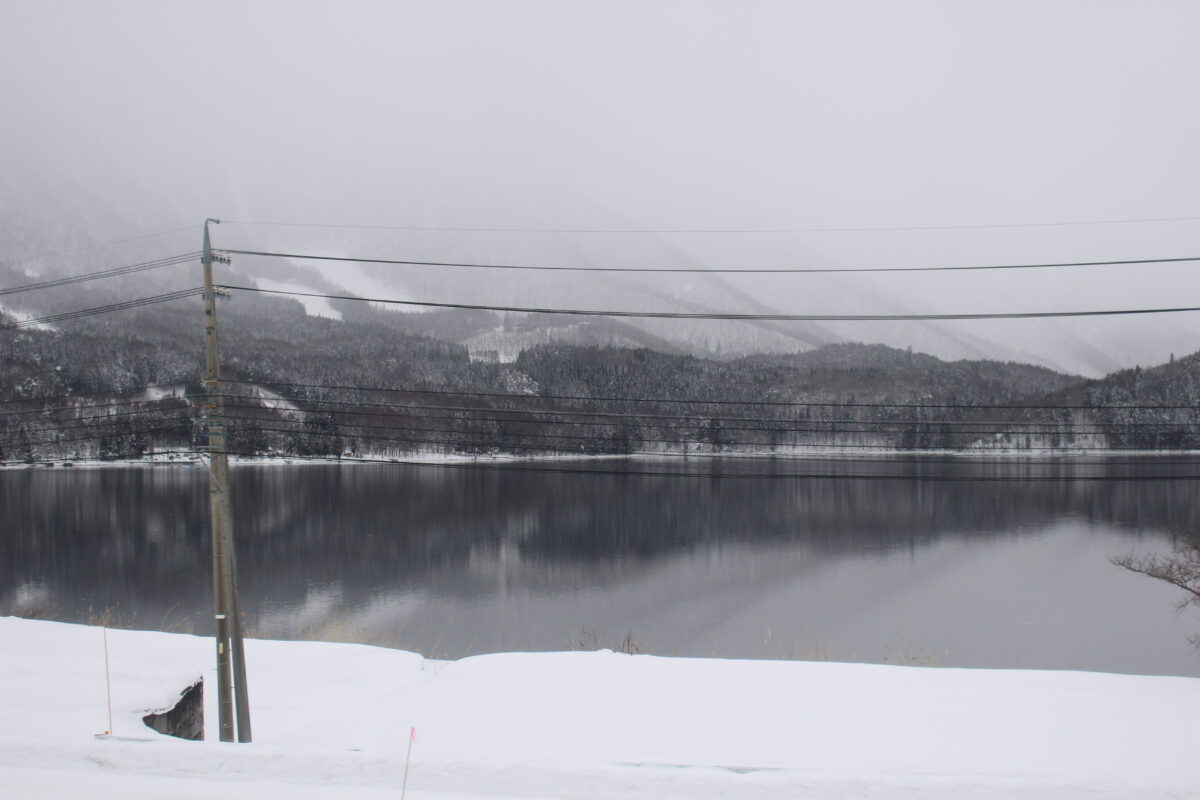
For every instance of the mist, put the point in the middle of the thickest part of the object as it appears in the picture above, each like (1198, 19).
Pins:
(714, 135)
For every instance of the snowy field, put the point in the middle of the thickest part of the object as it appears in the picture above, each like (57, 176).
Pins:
(333, 720)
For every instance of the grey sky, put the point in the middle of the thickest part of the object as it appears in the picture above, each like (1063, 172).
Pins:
(644, 115)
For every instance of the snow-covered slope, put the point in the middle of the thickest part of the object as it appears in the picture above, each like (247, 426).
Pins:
(335, 719)
(1090, 346)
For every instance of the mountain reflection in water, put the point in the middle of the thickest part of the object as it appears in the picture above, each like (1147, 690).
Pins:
(897, 565)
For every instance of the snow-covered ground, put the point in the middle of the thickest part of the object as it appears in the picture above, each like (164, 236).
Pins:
(20, 315)
(333, 720)
(154, 394)
(313, 306)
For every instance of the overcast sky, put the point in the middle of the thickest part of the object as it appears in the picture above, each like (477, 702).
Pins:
(659, 115)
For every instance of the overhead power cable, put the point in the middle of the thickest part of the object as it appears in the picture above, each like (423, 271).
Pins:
(182, 383)
(814, 427)
(112, 272)
(313, 405)
(94, 437)
(868, 229)
(522, 464)
(686, 401)
(819, 453)
(525, 466)
(617, 419)
(87, 312)
(119, 417)
(98, 245)
(610, 417)
(720, 315)
(59, 459)
(734, 271)
(345, 426)
(92, 407)
(816, 451)
(496, 440)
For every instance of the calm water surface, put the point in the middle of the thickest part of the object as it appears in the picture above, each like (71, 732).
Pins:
(987, 569)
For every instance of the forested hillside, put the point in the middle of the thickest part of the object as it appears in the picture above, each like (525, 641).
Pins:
(368, 386)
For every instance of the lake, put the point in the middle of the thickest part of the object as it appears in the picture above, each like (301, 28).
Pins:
(929, 560)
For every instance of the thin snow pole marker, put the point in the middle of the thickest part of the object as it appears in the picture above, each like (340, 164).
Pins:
(107, 682)
(412, 737)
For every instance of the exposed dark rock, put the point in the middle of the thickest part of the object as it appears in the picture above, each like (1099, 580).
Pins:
(185, 719)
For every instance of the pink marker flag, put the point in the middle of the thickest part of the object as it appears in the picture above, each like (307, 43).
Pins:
(413, 736)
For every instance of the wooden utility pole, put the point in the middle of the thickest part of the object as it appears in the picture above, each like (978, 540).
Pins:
(231, 656)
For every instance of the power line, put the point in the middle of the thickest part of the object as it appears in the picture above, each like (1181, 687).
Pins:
(58, 459)
(617, 419)
(116, 392)
(819, 454)
(414, 409)
(183, 383)
(693, 422)
(722, 315)
(88, 407)
(525, 467)
(747, 270)
(817, 450)
(825, 429)
(102, 420)
(465, 229)
(492, 439)
(317, 406)
(626, 415)
(321, 406)
(87, 312)
(112, 272)
(686, 401)
(23, 259)
(495, 437)
(95, 437)
(716, 475)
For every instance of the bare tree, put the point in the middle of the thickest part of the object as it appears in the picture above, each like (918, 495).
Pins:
(1180, 568)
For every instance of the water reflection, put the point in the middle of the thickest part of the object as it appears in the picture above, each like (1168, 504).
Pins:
(997, 572)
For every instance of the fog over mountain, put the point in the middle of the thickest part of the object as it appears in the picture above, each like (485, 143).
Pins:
(668, 135)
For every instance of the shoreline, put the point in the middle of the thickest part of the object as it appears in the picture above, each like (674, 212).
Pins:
(196, 461)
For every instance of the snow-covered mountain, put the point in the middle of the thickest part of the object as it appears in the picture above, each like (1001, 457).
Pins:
(58, 216)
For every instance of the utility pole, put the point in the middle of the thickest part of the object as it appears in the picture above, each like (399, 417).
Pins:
(231, 656)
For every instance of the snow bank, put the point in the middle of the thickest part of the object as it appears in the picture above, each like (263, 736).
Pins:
(313, 306)
(582, 724)
(153, 394)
